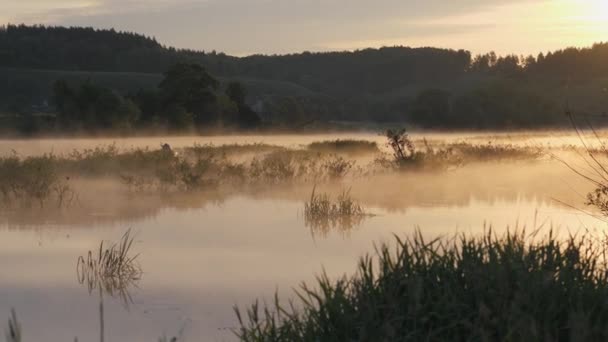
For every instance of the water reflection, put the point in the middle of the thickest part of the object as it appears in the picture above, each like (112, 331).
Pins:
(107, 203)
(112, 271)
(321, 227)
(207, 251)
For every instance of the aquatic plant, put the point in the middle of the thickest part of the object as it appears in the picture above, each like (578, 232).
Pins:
(492, 152)
(321, 213)
(112, 268)
(513, 287)
(336, 167)
(13, 333)
(33, 179)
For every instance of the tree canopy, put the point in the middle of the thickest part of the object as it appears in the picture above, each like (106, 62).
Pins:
(436, 88)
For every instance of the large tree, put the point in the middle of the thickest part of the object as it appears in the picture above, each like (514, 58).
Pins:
(191, 87)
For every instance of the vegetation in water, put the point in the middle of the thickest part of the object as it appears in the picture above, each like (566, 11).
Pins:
(111, 269)
(513, 287)
(50, 179)
(33, 180)
(322, 214)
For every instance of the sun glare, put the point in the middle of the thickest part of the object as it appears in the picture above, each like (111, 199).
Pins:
(595, 11)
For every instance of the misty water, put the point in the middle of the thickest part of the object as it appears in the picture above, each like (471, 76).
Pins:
(203, 253)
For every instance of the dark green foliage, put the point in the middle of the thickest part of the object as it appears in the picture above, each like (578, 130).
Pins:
(246, 117)
(186, 98)
(190, 86)
(495, 105)
(431, 107)
(509, 288)
(90, 106)
(236, 92)
(435, 88)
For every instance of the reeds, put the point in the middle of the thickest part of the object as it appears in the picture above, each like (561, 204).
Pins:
(40, 179)
(493, 152)
(321, 213)
(509, 288)
(33, 180)
(112, 268)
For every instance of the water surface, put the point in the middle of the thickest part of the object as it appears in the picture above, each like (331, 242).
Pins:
(203, 253)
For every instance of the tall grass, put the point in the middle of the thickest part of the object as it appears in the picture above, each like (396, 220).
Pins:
(112, 269)
(493, 152)
(47, 178)
(33, 180)
(321, 213)
(490, 288)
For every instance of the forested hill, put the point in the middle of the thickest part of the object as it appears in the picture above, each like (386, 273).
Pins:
(425, 86)
(87, 49)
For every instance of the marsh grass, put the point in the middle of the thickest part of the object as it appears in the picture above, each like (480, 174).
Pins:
(33, 180)
(42, 179)
(494, 152)
(406, 156)
(346, 146)
(515, 287)
(230, 149)
(322, 214)
(111, 268)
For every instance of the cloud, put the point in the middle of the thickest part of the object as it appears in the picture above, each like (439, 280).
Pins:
(270, 26)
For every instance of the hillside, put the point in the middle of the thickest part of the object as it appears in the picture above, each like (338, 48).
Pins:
(425, 86)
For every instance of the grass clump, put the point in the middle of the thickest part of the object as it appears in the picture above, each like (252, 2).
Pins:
(489, 288)
(347, 146)
(111, 269)
(321, 213)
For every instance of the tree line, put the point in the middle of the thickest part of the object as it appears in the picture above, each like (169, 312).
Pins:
(187, 98)
(437, 88)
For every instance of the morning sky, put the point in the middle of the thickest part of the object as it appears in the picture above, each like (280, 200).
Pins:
(242, 27)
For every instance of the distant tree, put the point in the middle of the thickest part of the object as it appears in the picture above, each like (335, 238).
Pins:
(432, 108)
(91, 106)
(236, 92)
(247, 117)
(191, 87)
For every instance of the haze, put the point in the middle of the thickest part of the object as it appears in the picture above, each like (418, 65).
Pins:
(242, 27)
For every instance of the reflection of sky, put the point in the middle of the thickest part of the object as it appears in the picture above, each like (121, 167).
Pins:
(197, 263)
(279, 26)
